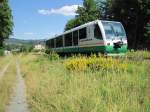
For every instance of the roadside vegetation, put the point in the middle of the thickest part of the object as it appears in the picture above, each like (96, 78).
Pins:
(87, 84)
(1, 51)
(7, 82)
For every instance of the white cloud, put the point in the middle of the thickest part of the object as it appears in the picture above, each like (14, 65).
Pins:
(65, 10)
(29, 33)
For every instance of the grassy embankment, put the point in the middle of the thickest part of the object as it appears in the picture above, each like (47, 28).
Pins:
(93, 84)
(7, 83)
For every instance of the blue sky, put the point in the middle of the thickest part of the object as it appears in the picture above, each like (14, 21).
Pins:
(40, 19)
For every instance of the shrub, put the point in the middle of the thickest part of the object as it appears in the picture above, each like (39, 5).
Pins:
(1, 51)
(35, 50)
(95, 63)
(48, 51)
(53, 56)
(77, 64)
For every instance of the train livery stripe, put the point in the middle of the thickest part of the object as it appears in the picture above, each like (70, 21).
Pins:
(80, 49)
(94, 44)
(108, 49)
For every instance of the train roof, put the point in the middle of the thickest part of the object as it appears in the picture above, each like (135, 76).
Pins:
(81, 26)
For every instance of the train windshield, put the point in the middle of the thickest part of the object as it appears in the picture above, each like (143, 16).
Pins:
(114, 30)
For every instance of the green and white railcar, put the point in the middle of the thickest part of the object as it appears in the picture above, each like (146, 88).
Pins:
(107, 37)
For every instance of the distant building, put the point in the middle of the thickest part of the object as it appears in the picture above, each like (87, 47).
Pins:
(39, 47)
(6, 52)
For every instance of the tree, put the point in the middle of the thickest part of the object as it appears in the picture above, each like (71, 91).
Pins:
(103, 7)
(86, 13)
(134, 14)
(6, 22)
(147, 32)
(147, 35)
(71, 24)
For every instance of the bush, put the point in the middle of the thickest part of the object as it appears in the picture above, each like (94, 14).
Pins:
(1, 51)
(77, 64)
(95, 63)
(53, 56)
(48, 51)
(35, 50)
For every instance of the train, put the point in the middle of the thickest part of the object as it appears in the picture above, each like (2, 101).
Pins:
(99, 36)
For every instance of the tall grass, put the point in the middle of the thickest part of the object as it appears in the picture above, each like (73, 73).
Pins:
(6, 86)
(52, 87)
(4, 60)
(139, 54)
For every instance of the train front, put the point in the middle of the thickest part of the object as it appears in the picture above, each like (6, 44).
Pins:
(115, 38)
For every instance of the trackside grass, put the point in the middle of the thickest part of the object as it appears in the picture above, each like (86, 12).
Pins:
(6, 86)
(138, 54)
(86, 84)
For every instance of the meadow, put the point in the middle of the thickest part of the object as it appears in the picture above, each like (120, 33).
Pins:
(87, 84)
(80, 83)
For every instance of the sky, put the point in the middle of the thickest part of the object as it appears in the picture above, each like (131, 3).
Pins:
(41, 19)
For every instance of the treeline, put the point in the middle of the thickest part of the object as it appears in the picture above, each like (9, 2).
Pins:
(134, 15)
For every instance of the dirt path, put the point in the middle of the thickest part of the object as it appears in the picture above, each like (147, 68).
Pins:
(4, 70)
(18, 101)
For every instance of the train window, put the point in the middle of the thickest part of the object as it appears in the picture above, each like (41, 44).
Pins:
(82, 33)
(97, 32)
(109, 31)
(59, 41)
(75, 38)
(52, 45)
(68, 39)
